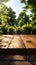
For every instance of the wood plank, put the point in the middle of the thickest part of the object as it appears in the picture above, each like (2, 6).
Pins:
(18, 41)
(29, 41)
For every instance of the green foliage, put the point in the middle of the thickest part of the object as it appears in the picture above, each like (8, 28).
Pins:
(22, 25)
(19, 30)
(33, 30)
(34, 24)
(7, 29)
(21, 22)
(30, 4)
(27, 29)
(11, 30)
(4, 0)
(3, 29)
(7, 15)
(23, 18)
(1, 32)
(12, 16)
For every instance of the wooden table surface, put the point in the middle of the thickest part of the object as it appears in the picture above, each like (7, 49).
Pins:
(17, 41)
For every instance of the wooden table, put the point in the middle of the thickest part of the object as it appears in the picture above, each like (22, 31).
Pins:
(20, 42)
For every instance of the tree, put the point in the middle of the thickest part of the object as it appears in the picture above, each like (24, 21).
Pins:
(23, 19)
(7, 18)
(12, 17)
(4, 0)
(7, 15)
(30, 4)
(3, 13)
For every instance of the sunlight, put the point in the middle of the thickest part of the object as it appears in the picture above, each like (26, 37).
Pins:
(28, 12)
(15, 5)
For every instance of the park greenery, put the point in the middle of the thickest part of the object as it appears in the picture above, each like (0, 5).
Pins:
(24, 24)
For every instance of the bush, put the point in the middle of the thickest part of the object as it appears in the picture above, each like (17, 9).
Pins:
(4, 29)
(23, 28)
(33, 30)
(21, 22)
(7, 29)
(34, 24)
(11, 30)
(1, 32)
(27, 29)
(19, 30)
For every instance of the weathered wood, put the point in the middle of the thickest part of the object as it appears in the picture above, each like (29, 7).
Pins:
(17, 41)
(29, 41)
